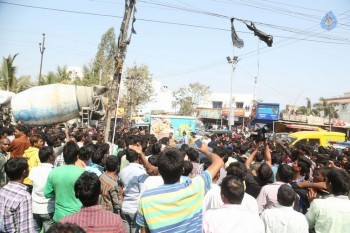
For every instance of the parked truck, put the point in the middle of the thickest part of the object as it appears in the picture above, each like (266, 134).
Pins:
(52, 104)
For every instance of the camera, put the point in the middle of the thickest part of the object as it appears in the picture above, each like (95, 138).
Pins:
(260, 134)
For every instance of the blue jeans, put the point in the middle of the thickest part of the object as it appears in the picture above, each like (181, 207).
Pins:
(42, 221)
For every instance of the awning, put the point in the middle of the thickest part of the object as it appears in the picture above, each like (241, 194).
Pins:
(304, 127)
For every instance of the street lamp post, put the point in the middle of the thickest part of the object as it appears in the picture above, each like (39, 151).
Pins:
(233, 61)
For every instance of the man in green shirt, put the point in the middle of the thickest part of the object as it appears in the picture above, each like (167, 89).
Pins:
(60, 183)
(332, 213)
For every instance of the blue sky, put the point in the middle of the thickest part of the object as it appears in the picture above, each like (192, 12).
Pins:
(316, 63)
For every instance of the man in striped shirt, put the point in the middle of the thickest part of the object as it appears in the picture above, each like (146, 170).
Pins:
(92, 218)
(175, 206)
(16, 213)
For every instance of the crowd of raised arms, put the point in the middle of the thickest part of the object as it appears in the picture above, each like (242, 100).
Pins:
(69, 180)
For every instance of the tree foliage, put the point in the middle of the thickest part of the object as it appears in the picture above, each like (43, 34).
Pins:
(23, 83)
(8, 73)
(326, 108)
(104, 60)
(190, 97)
(50, 78)
(8, 79)
(323, 108)
(90, 77)
(308, 109)
(138, 83)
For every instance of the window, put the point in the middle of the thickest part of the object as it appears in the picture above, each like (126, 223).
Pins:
(314, 142)
(239, 104)
(217, 104)
(343, 107)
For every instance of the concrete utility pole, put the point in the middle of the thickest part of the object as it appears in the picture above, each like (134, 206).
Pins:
(42, 50)
(231, 119)
(123, 42)
(255, 81)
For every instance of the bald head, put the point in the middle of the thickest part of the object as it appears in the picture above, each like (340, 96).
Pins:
(4, 144)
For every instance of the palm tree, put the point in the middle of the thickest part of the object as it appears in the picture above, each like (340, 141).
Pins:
(308, 110)
(22, 83)
(63, 75)
(327, 108)
(8, 73)
(50, 78)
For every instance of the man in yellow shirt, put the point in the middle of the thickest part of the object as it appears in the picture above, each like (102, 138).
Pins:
(32, 154)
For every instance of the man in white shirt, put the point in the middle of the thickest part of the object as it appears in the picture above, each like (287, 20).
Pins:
(267, 198)
(132, 176)
(282, 218)
(213, 199)
(43, 208)
(231, 217)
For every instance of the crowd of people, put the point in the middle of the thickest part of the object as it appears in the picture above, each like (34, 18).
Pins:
(56, 179)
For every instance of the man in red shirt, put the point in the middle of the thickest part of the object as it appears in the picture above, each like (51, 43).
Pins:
(20, 143)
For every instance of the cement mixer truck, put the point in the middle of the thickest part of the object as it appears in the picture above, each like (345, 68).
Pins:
(55, 103)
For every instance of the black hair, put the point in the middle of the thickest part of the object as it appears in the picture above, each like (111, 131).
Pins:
(15, 167)
(232, 189)
(70, 152)
(340, 181)
(50, 139)
(104, 148)
(285, 173)
(44, 153)
(87, 188)
(276, 157)
(259, 157)
(304, 164)
(286, 195)
(184, 147)
(112, 163)
(153, 160)
(188, 167)
(206, 163)
(78, 136)
(156, 147)
(164, 140)
(58, 227)
(238, 170)
(243, 149)
(307, 150)
(220, 151)
(22, 128)
(192, 154)
(341, 157)
(86, 151)
(97, 157)
(170, 165)
(264, 172)
(296, 154)
(131, 155)
(242, 159)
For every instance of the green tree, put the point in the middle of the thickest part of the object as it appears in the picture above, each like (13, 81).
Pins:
(8, 73)
(23, 83)
(63, 75)
(138, 83)
(104, 60)
(90, 77)
(308, 110)
(327, 108)
(50, 78)
(190, 97)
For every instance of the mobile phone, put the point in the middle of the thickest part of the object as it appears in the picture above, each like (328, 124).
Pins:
(198, 143)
